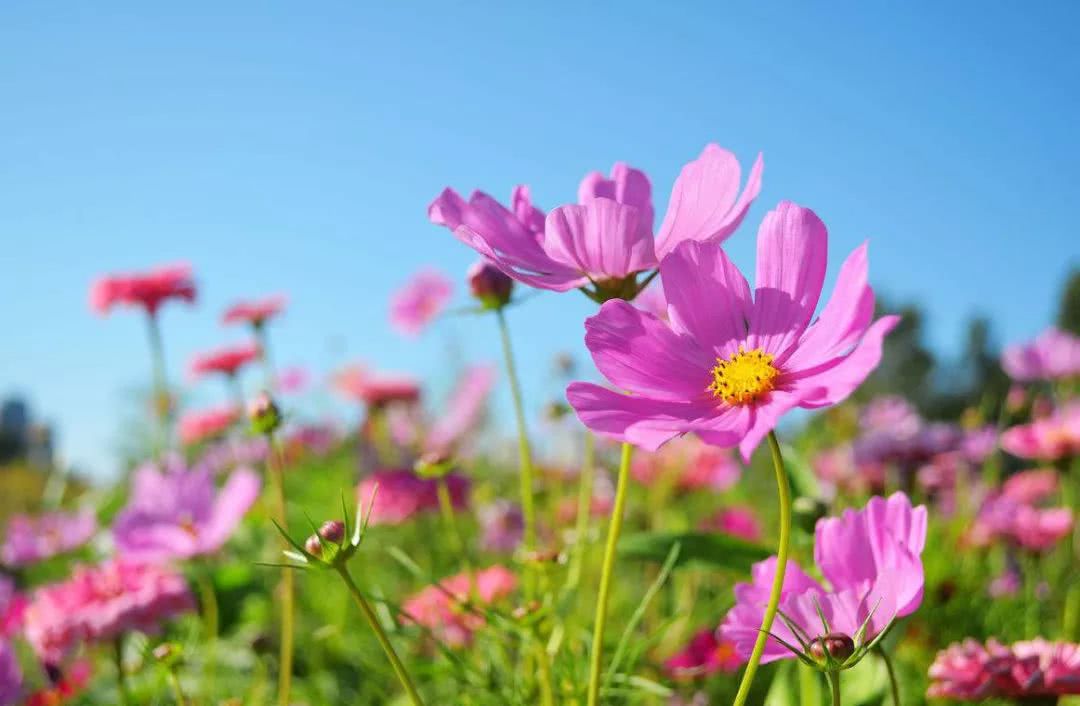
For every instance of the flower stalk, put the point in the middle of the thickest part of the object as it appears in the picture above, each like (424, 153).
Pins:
(834, 684)
(276, 466)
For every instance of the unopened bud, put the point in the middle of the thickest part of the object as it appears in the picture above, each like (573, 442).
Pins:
(332, 531)
(836, 644)
(264, 414)
(489, 284)
(523, 611)
(313, 546)
(165, 652)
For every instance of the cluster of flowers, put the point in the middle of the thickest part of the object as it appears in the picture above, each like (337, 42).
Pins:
(970, 671)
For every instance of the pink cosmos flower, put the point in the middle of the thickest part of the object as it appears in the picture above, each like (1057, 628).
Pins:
(227, 361)
(890, 412)
(177, 513)
(838, 469)
(969, 671)
(400, 495)
(704, 655)
(1007, 583)
(10, 676)
(422, 299)
(608, 236)
(31, 539)
(1036, 529)
(1031, 486)
(1048, 438)
(439, 608)
(729, 365)
(501, 526)
(376, 390)
(12, 608)
(227, 454)
(689, 465)
(463, 409)
(1053, 355)
(99, 603)
(871, 559)
(200, 425)
(146, 289)
(739, 522)
(256, 312)
(292, 380)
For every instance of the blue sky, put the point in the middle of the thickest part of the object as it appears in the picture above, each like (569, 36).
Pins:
(294, 147)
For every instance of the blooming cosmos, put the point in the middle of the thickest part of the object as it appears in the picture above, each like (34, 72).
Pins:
(31, 539)
(605, 239)
(740, 522)
(227, 360)
(704, 655)
(146, 289)
(1053, 355)
(1009, 515)
(463, 410)
(970, 671)
(376, 389)
(439, 608)
(176, 513)
(399, 495)
(729, 365)
(256, 312)
(422, 299)
(1048, 438)
(871, 559)
(100, 603)
(203, 424)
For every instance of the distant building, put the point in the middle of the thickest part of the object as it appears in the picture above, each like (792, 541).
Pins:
(21, 438)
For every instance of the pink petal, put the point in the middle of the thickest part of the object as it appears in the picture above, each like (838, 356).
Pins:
(705, 205)
(707, 296)
(542, 275)
(641, 421)
(603, 239)
(234, 500)
(626, 185)
(764, 416)
(792, 252)
(836, 379)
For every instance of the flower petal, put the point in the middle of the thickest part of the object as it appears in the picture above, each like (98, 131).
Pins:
(705, 204)
(234, 499)
(833, 381)
(707, 296)
(764, 416)
(644, 422)
(626, 185)
(602, 238)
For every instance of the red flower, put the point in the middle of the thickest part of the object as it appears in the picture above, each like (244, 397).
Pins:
(146, 289)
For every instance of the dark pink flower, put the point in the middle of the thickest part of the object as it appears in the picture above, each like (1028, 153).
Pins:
(227, 361)
(969, 671)
(201, 425)
(1006, 517)
(688, 464)
(608, 236)
(100, 603)
(739, 522)
(1048, 438)
(400, 495)
(704, 655)
(439, 608)
(422, 299)
(463, 410)
(256, 312)
(731, 364)
(376, 390)
(1053, 355)
(31, 539)
(146, 289)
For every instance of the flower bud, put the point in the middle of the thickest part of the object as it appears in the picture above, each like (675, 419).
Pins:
(332, 531)
(166, 652)
(313, 546)
(489, 284)
(836, 644)
(264, 414)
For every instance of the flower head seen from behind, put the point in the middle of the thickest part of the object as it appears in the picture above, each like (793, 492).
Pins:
(33, 538)
(1032, 669)
(419, 302)
(176, 513)
(605, 239)
(729, 364)
(148, 290)
(1053, 355)
(206, 424)
(256, 312)
(226, 361)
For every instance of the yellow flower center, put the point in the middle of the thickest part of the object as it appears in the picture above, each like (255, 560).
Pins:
(743, 376)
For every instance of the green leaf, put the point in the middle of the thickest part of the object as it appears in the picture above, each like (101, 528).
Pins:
(708, 548)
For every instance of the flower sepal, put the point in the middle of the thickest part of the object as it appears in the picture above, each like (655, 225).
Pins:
(331, 545)
(831, 651)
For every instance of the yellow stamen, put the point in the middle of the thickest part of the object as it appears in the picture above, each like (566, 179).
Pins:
(743, 376)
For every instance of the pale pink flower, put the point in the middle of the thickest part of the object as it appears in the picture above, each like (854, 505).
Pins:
(501, 526)
(969, 671)
(148, 290)
(200, 425)
(1053, 355)
(422, 299)
(33, 538)
(688, 464)
(440, 608)
(1048, 438)
(1031, 486)
(255, 313)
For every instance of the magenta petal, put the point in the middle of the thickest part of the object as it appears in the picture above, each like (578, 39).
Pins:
(233, 501)
(447, 209)
(833, 381)
(792, 251)
(603, 239)
(707, 296)
(641, 421)
(638, 352)
(704, 204)
(626, 185)
(764, 416)
(534, 272)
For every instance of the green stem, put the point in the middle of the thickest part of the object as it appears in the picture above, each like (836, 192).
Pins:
(446, 506)
(162, 403)
(584, 511)
(208, 598)
(121, 678)
(276, 464)
(778, 579)
(380, 634)
(264, 352)
(834, 682)
(615, 526)
(893, 685)
(528, 510)
(237, 391)
(174, 685)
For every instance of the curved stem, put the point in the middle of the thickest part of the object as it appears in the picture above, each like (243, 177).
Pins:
(584, 511)
(605, 576)
(893, 685)
(276, 464)
(528, 510)
(834, 682)
(778, 579)
(380, 634)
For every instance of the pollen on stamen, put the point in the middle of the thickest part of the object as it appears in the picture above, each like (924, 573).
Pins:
(744, 376)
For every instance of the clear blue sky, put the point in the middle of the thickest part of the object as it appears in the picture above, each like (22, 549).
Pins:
(294, 147)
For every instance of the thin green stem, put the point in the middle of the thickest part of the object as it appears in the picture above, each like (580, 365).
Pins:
(162, 403)
(380, 634)
(208, 598)
(264, 353)
(174, 685)
(606, 570)
(834, 682)
(528, 509)
(584, 511)
(446, 506)
(778, 580)
(276, 465)
(121, 677)
(894, 686)
(237, 392)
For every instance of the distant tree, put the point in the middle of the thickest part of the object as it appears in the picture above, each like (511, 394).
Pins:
(1069, 309)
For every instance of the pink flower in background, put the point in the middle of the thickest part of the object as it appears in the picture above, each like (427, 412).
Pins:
(739, 522)
(978, 444)
(148, 290)
(1053, 355)
(608, 235)
(1007, 583)
(501, 526)
(177, 513)
(1031, 486)
(293, 380)
(1048, 438)
(100, 603)
(889, 412)
(970, 671)
(871, 560)
(256, 312)
(438, 608)
(704, 655)
(728, 366)
(228, 454)
(376, 390)
(416, 304)
(10, 676)
(12, 608)
(401, 495)
(689, 464)
(227, 361)
(30, 539)
(318, 439)
(463, 409)
(200, 425)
